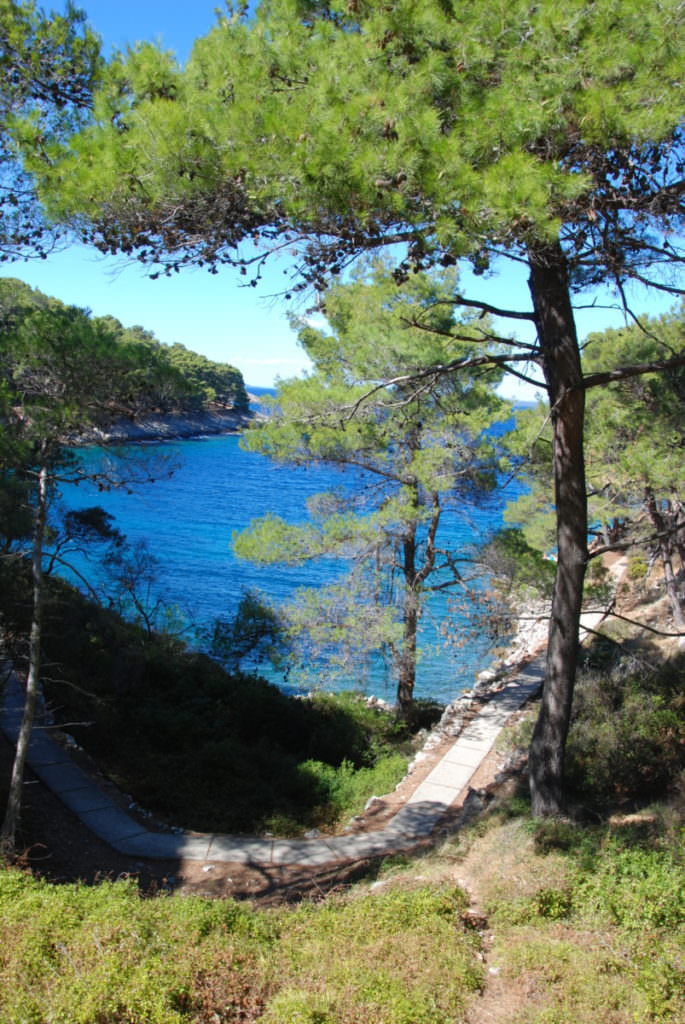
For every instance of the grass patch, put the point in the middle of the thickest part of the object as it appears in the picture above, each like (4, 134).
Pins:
(103, 955)
(589, 921)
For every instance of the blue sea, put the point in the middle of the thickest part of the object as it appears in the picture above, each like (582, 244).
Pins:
(187, 520)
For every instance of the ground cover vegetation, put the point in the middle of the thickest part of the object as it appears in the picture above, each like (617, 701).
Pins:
(422, 458)
(86, 954)
(561, 921)
(440, 133)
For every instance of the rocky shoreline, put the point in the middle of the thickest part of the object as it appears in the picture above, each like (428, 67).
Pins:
(168, 427)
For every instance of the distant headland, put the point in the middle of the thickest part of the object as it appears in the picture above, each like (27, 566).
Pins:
(168, 426)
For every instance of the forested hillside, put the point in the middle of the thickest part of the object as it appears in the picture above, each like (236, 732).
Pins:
(159, 378)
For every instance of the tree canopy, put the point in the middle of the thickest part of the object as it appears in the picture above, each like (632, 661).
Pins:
(550, 135)
(423, 455)
(459, 131)
(49, 64)
(634, 450)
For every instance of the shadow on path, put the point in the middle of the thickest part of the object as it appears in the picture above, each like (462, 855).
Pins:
(444, 788)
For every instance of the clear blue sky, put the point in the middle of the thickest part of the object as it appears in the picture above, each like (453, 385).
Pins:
(214, 315)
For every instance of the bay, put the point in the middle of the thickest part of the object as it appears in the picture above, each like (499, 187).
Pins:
(187, 521)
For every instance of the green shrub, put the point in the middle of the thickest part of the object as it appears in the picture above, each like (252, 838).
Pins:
(627, 737)
(344, 790)
(103, 955)
(634, 888)
(637, 568)
(511, 558)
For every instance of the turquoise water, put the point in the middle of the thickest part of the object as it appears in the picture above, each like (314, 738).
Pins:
(187, 521)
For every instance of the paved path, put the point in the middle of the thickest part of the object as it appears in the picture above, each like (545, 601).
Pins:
(442, 788)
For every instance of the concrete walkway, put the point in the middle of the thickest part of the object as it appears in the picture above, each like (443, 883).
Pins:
(446, 784)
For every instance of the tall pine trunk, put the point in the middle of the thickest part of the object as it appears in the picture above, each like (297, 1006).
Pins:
(13, 810)
(410, 623)
(549, 288)
(414, 578)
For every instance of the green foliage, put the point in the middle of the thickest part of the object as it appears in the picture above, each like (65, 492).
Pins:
(369, 125)
(233, 745)
(598, 584)
(591, 918)
(634, 427)
(345, 790)
(15, 513)
(530, 444)
(103, 954)
(422, 455)
(50, 348)
(411, 961)
(634, 889)
(637, 568)
(627, 738)
(49, 65)
(98, 954)
(513, 561)
(436, 131)
(254, 632)
(633, 447)
(218, 383)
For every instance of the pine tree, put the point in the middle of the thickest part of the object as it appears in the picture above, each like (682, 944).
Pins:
(421, 448)
(49, 65)
(549, 135)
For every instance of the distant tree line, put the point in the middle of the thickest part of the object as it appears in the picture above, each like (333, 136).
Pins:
(151, 376)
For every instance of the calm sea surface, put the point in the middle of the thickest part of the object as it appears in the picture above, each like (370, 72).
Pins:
(187, 521)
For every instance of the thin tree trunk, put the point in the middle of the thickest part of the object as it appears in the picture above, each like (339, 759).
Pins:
(413, 580)
(661, 525)
(410, 622)
(555, 323)
(679, 523)
(13, 810)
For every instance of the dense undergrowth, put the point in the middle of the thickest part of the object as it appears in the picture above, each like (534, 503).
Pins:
(589, 912)
(584, 917)
(198, 746)
(103, 955)
(584, 924)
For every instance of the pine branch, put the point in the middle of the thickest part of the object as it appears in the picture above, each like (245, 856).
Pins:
(623, 373)
(486, 307)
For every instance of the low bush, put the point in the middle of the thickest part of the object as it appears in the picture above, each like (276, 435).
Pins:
(103, 955)
(627, 739)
